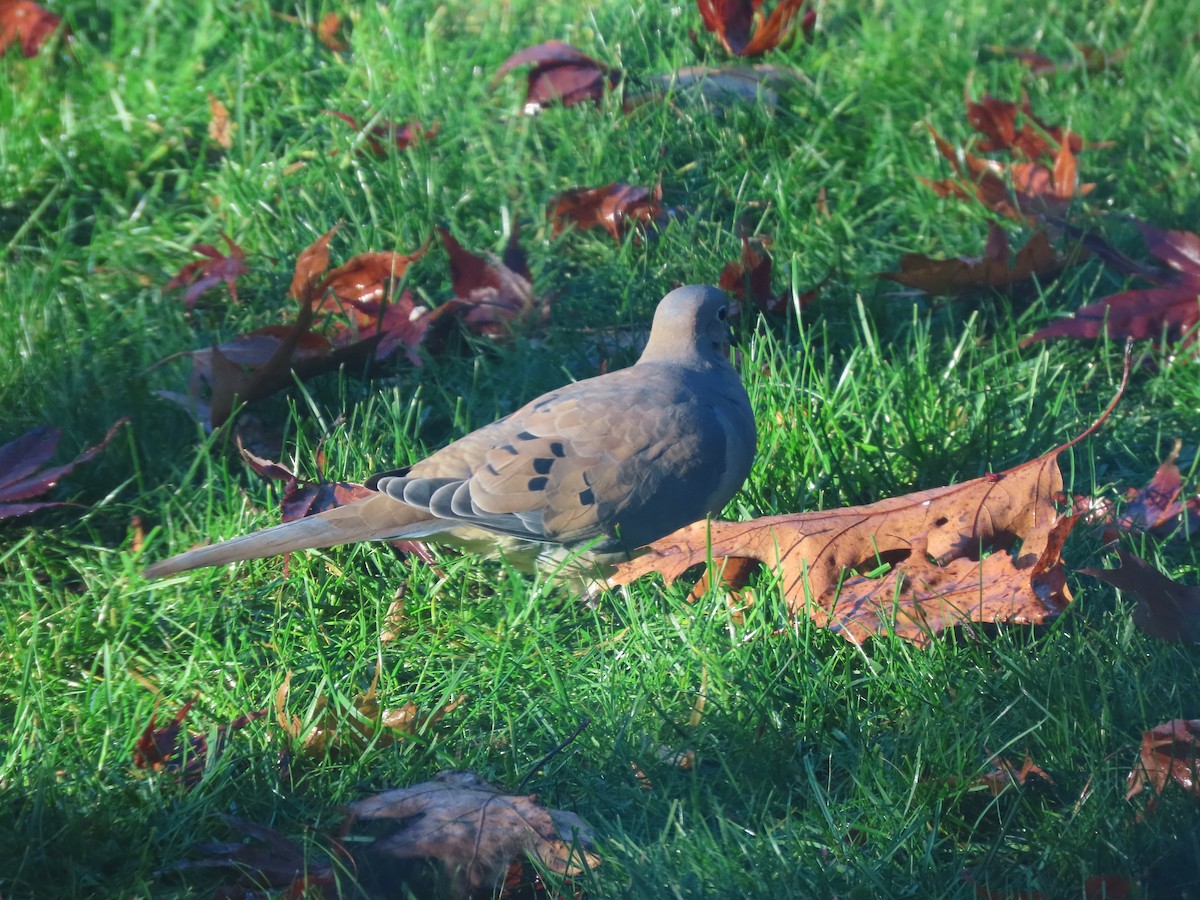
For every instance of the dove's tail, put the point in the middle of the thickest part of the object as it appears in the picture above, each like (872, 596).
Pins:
(374, 518)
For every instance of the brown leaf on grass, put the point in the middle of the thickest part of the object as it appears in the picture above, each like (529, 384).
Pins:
(363, 291)
(1002, 775)
(1170, 308)
(745, 30)
(616, 207)
(25, 22)
(328, 32)
(1158, 506)
(493, 297)
(1169, 752)
(220, 128)
(202, 274)
(1016, 190)
(1037, 260)
(749, 278)
(996, 120)
(987, 550)
(1093, 59)
(271, 861)
(475, 830)
(384, 136)
(559, 74)
(170, 749)
(1165, 608)
(22, 476)
(350, 725)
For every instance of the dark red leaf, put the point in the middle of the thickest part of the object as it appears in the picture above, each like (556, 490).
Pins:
(616, 207)
(21, 460)
(202, 274)
(384, 135)
(492, 297)
(1169, 752)
(27, 22)
(170, 749)
(744, 30)
(560, 74)
(1166, 609)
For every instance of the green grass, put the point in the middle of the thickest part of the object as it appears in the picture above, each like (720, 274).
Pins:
(822, 770)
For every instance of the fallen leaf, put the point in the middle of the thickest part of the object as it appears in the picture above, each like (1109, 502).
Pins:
(220, 129)
(350, 725)
(1157, 506)
(749, 278)
(170, 749)
(492, 297)
(22, 477)
(616, 207)
(559, 74)
(384, 135)
(362, 290)
(475, 830)
(1037, 260)
(202, 274)
(1002, 775)
(1171, 308)
(1165, 608)
(1093, 59)
(996, 120)
(986, 550)
(27, 22)
(1169, 752)
(745, 30)
(1016, 190)
(327, 31)
(270, 861)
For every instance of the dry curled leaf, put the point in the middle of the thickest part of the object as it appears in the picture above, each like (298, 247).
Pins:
(25, 23)
(220, 128)
(1169, 752)
(1165, 608)
(475, 830)
(493, 297)
(172, 750)
(745, 30)
(22, 476)
(617, 208)
(986, 550)
(383, 136)
(995, 270)
(560, 74)
(202, 274)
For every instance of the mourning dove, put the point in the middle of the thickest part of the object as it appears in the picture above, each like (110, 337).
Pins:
(606, 465)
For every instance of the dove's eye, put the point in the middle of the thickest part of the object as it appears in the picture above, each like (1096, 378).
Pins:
(722, 313)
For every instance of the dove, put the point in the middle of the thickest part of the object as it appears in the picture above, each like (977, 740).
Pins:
(594, 470)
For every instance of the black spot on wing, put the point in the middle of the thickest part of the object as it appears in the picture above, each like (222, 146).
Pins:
(542, 465)
(538, 484)
(586, 497)
(558, 449)
(526, 436)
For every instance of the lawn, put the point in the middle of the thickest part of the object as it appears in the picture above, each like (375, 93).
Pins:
(721, 747)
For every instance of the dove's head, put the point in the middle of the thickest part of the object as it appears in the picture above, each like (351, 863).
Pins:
(691, 321)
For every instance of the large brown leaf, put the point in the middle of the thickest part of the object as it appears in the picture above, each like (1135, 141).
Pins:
(493, 297)
(986, 550)
(475, 830)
